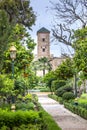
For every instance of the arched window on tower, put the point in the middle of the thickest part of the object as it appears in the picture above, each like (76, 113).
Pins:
(43, 48)
(43, 39)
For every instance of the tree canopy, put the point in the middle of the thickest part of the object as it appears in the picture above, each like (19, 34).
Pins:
(69, 14)
(24, 50)
(13, 13)
(18, 11)
(80, 46)
(65, 70)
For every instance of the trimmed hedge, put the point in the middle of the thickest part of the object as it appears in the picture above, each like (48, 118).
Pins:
(58, 83)
(76, 109)
(16, 119)
(68, 96)
(62, 90)
(55, 97)
(24, 127)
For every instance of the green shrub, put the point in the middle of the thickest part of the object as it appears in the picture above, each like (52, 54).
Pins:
(16, 119)
(68, 88)
(82, 112)
(28, 97)
(25, 106)
(82, 101)
(20, 85)
(58, 83)
(35, 98)
(83, 96)
(60, 92)
(85, 114)
(68, 96)
(5, 106)
(49, 121)
(53, 96)
(20, 106)
(24, 127)
(84, 105)
(63, 89)
(19, 97)
(30, 106)
(76, 109)
(6, 86)
(60, 100)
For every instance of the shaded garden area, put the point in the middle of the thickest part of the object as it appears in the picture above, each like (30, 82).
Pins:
(19, 109)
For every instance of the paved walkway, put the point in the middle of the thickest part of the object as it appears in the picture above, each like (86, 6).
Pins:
(65, 119)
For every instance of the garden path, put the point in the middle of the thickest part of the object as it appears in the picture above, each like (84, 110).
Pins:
(65, 119)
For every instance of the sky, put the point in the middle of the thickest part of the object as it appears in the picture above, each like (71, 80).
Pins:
(45, 18)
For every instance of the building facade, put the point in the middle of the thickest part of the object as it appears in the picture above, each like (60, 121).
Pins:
(43, 43)
(43, 49)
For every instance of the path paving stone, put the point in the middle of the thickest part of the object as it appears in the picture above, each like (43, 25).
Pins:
(65, 119)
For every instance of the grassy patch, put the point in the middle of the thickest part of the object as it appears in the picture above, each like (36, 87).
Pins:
(42, 89)
(82, 101)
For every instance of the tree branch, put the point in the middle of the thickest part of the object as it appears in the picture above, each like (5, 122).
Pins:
(59, 32)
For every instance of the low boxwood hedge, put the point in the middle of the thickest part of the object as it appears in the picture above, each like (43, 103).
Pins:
(55, 97)
(76, 109)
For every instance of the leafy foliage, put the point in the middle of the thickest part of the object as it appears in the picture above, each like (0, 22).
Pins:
(42, 64)
(14, 13)
(80, 45)
(20, 86)
(68, 96)
(6, 86)
(58, 83)
(63, 89)
(11, 119)
(48, 78)
(65, 70)
(24, 56)
(18, 12)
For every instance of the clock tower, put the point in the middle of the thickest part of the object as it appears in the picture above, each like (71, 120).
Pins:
(43, 43)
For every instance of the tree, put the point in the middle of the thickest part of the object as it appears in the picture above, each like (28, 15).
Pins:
(24, 53)
(13, 12)
(49, 78)
(65, 70)
(5, 30)
(18, 11)
(6, 87)
(69, 12)
(35, 66)
(41, 64)
(32, 79)
(80, 46)
(44, 65)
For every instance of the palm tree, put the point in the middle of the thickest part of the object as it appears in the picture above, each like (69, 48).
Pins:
(41, 64)
(35, 66)
(44, 64)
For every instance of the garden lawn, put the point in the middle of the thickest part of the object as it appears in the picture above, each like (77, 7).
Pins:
(83, 101)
